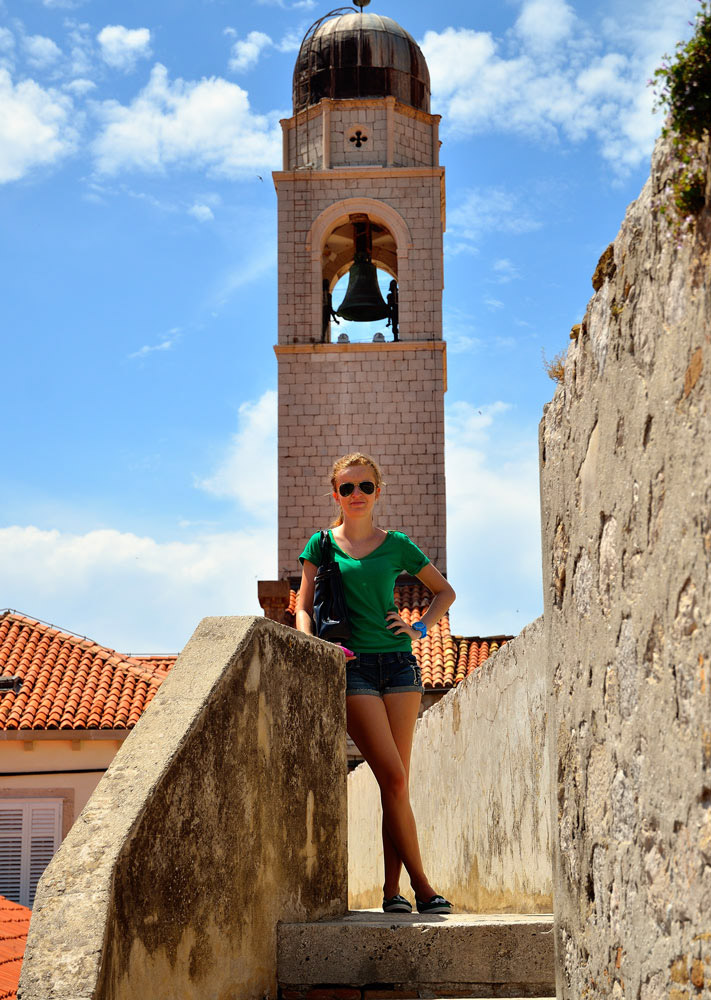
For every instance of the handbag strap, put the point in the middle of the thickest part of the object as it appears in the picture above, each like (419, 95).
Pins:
(326, 549)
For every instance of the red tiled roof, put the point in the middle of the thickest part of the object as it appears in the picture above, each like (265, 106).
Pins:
(445, 660)
(14, 925)
(291, 610)
(70, 682)
(161, 663)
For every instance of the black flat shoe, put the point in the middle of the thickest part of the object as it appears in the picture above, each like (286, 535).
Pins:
(397, 904)
(437, 904)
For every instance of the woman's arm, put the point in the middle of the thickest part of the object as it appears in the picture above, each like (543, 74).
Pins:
(442, 600)
(443, 595)
(305, 600)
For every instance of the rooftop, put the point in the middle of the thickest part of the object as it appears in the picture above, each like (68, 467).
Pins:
(69, 682)
(14, 925)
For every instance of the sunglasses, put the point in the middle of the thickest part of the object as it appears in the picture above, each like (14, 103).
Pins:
(345, 489)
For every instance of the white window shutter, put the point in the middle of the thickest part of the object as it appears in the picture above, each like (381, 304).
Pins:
(30, 833)
(44, 841)
(11, 820)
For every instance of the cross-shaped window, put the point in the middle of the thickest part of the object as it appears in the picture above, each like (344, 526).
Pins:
(359, 139)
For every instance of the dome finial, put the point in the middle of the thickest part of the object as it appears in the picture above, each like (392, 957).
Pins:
(361, 4)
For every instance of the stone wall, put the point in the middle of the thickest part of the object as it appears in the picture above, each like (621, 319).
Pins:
(391, 134)
(223, 813)
(626, 500)
(324, 392)
(480, 791)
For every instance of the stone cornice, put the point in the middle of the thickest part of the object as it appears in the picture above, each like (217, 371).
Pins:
(389, 345)
(363, 102)
(350, 172)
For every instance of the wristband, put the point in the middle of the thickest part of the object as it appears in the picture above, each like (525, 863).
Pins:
(421, 628)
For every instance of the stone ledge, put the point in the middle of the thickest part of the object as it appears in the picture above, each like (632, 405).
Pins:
(424, 991)
(366, 345)
(367, 948)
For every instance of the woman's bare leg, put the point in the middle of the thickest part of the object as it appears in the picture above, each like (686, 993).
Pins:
(370, 728)
(402, 710)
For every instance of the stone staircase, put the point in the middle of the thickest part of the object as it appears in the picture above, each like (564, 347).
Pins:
(369, 955)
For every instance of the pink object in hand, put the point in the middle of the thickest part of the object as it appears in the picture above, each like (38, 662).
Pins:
(348, 652)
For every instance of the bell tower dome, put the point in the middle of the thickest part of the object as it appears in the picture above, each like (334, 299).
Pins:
(360, 55)
(361, 192)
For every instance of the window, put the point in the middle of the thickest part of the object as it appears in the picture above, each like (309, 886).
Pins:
(30, 833)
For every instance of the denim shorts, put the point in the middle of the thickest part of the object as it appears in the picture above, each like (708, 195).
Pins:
(383, 673)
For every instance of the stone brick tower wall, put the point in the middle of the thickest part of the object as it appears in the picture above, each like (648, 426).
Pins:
(379, 158)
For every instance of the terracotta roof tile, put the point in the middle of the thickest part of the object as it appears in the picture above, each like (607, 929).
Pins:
(69, 682)
(445, 660)
(14, 925)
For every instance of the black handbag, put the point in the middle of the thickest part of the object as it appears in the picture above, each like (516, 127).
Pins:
(330, 609)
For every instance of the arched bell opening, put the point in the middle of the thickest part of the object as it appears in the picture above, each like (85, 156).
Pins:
(359, 281)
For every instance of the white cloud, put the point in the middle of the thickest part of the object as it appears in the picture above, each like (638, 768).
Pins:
(122, 47)
(82, 49)
(601, 78)
(41, 51)
(554, 78)
(63, 4)
(203, 213)
(205, 125)
(166, 343)
(245, 52)
(505, 271)
(493, 520)
(248, 470)
(134, 593)
(460, 343)
(7, 40)
(138, 594)
(486, 210)
(294, 5)
(80, 86)
(542, 24)
(460, 332)
(291, 42)
(36, 127)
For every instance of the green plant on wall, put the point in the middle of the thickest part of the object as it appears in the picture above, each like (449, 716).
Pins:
(683, 91)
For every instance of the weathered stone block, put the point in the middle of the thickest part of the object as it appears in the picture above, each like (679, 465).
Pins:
(369, 947)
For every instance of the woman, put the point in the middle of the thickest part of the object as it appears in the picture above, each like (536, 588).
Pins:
(384, 687)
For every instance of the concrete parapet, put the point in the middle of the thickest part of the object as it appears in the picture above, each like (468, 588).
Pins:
(223, 812)
(444, 956)
(479, 784)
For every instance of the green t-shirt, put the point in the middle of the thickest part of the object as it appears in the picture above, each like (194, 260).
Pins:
(369, 584)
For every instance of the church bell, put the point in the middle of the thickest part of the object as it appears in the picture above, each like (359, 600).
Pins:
(363, 302)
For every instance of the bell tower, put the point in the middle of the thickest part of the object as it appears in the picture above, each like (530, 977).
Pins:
(361, 188)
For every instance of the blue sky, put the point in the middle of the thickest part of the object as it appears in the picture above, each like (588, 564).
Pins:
(138, 298)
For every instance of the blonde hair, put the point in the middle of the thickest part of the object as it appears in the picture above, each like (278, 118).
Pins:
(356, 458)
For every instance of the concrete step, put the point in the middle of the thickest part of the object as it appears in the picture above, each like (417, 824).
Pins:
(462, 955)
